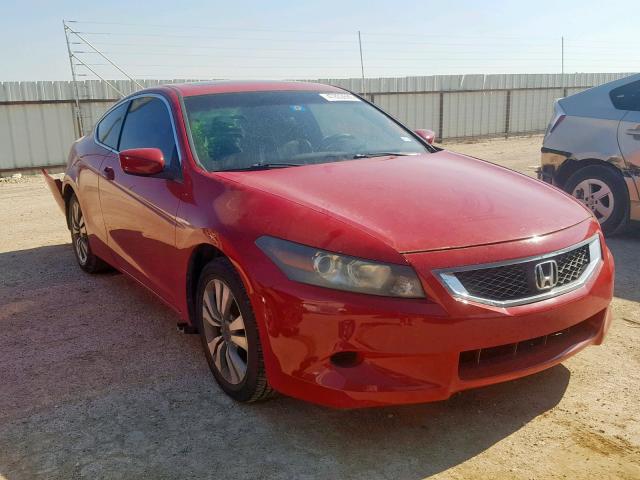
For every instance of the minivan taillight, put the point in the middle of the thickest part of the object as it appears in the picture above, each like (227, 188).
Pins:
(558, 117)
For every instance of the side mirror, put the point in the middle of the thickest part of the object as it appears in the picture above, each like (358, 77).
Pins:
(142, 161)
(427, 135)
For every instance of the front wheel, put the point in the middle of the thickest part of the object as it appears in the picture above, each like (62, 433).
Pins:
(229, 333)
(604, 192)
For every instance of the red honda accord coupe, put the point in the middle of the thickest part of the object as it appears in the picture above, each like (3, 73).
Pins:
(323, 250)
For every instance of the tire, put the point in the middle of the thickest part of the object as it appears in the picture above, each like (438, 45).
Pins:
(590, 183)
(229, 333)
(88, 262)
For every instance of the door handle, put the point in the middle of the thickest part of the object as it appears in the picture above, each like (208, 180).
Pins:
(633, 131)
(108, 173)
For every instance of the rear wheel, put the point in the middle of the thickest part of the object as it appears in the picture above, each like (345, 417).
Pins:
(604, 192)
(80, 240)
(229, 333)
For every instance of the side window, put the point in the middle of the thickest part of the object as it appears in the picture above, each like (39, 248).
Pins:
(626, 97)
(148, 125)
(109, 127)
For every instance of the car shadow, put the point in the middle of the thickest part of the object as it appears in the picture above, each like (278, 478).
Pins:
(96, 382)
(416, 441)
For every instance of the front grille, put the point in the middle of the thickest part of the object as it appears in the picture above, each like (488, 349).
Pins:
(572, 264)
(499, 283)
(517, 280)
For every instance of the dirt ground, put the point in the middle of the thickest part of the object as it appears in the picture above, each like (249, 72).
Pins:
(520, 153)
(95, 382)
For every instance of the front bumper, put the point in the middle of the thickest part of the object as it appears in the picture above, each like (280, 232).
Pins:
(412, 351)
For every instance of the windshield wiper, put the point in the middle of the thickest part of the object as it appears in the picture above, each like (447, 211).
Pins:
(379, 154)
(263, 166)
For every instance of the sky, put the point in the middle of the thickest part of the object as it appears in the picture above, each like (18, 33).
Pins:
(310, 40)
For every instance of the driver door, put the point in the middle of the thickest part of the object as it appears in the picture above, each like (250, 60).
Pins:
(140, 211)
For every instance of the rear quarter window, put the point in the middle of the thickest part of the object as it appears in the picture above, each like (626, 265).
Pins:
(626, 97)
(110, 126)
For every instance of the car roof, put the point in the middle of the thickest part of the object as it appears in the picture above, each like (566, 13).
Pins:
(595, 102)
(232, 86)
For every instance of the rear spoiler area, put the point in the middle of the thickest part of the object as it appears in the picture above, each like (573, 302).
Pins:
(55, 185)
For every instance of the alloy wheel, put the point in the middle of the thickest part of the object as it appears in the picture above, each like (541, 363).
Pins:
(79, 233)
(224, 332)
(597, 196)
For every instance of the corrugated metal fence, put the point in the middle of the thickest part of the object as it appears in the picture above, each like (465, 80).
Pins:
(37, 123)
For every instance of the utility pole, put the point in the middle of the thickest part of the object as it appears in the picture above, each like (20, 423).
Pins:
(364, 89)
(562, 55)
(564, 84)
(76, 92)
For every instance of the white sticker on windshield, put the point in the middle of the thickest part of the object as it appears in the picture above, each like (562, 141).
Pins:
(339, 97)
(405, 139)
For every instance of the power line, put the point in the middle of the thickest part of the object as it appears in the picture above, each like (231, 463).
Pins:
(396, 41)
(437, 56)
(103, 56)
(549, 39)
(279, 30)
(276, 51)
(213, 37)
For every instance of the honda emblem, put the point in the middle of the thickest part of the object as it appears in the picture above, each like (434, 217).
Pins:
(546, 274)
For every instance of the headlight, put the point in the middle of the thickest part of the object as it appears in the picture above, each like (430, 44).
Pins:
(326, 269)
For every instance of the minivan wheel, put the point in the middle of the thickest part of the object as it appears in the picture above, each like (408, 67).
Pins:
(604, 192)
(229, 333)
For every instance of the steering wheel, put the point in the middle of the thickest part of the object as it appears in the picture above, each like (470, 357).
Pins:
(295, 147)
(333, 141)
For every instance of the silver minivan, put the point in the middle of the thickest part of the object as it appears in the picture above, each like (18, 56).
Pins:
(591, 150)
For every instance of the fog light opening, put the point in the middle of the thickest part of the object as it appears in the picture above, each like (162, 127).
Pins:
(346, 359)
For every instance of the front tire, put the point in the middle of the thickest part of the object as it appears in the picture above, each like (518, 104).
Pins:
(604, 192)
(80, 240)
(229, 333)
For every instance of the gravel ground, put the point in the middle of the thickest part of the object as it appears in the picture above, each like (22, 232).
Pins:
(96, 383)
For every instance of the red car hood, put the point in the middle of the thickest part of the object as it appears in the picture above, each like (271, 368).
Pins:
(425, 202)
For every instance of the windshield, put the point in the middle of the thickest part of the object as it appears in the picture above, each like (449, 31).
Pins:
(241, 130)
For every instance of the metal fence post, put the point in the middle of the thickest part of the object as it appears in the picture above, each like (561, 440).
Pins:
(440, 116)
(507, 115)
